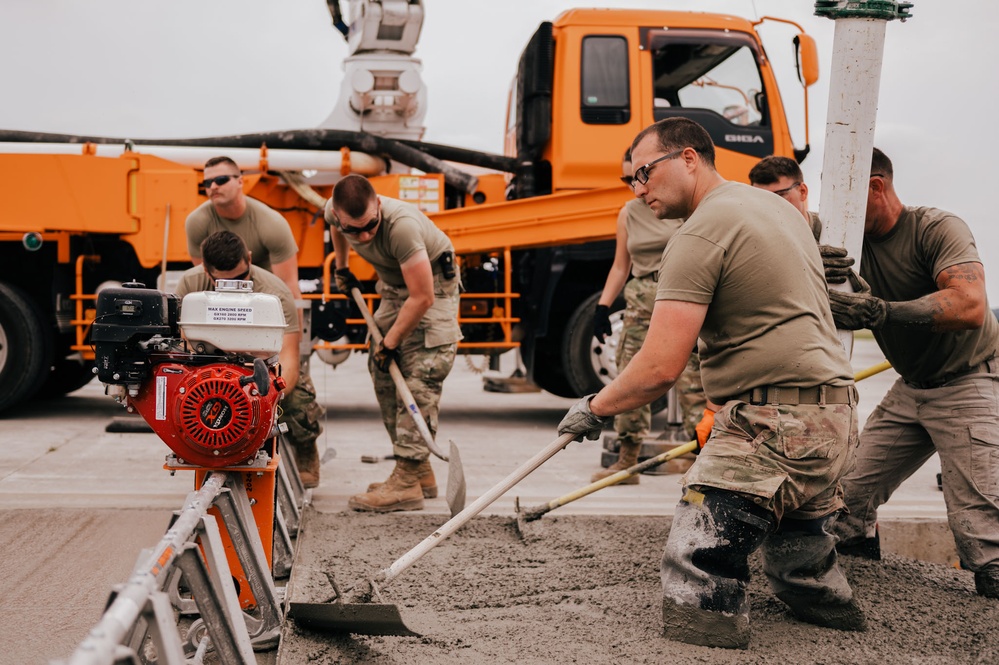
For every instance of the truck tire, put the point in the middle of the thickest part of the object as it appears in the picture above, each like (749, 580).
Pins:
(25, 347)
(589, 365)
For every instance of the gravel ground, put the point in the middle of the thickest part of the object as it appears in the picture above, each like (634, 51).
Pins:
(586, 589)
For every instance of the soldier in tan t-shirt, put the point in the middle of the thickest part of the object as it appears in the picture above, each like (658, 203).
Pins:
(641, 239)
(925, 301)
(783, 177)
(745, 276)
(417, 316)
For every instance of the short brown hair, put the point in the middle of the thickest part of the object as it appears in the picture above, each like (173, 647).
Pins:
(881, 164)
(352, 195)
(215, 161)
(677, 134)
(223, 250)
(771, 169)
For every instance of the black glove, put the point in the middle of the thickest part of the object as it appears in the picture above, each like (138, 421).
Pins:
(345, 280)
(580, 420)
(383, 357)
(835, 263)
(601, 323)
(854, 311)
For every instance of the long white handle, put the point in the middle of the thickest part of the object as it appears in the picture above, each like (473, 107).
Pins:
(386, 575)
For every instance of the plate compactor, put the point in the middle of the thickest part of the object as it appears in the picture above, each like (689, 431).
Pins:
(205, 377)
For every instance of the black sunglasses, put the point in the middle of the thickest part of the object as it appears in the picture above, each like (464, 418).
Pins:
(218, 180)
(358, 230)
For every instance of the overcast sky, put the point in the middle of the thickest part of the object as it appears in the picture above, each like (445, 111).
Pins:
(136, 68)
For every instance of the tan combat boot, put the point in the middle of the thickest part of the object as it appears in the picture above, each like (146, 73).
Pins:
(428, 483)
(307, 459)
(400, 492)
(627, 456)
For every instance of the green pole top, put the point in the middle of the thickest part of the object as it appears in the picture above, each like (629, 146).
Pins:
(886, 10)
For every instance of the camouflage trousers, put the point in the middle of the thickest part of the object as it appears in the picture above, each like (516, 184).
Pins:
(424, 371)
(302, 413)
(786, 459)
(634, 425)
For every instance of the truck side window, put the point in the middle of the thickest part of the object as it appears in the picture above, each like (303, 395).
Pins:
(604, 93)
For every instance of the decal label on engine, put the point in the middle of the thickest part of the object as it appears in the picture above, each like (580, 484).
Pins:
(230, 314)
(161, 389)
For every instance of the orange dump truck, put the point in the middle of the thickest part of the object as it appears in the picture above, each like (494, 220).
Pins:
(535, 238)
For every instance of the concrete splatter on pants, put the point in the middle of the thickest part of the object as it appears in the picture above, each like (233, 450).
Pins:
(302, 414)
(763, 466)
(424, 371)
(634, 425)
(959, 422)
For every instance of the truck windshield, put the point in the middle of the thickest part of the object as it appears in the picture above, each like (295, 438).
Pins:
(705, 70)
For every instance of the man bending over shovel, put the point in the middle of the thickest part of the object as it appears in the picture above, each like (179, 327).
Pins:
(417, 317)
(743, 274)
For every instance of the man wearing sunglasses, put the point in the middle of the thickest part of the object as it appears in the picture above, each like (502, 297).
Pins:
(782, 176)
(921, 291)
(743, 275)
(225, 256)
(265, 232)
(641, 239)
(417, 316)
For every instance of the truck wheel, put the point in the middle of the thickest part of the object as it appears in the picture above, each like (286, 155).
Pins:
(25, 347)
(590, 365)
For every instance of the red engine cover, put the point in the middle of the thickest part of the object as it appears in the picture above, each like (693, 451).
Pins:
(205, 415)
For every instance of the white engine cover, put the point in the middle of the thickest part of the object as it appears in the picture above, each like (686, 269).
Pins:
(234, 319)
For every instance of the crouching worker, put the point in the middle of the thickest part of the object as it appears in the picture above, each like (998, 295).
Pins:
(225, 256)
(743, 274)
(418, 319)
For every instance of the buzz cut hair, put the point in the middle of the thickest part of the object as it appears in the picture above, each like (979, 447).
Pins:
(222, 159)
(352, 196)
(771, 169)
(881, 164)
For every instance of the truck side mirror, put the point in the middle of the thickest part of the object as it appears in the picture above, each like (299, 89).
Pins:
(807, 59)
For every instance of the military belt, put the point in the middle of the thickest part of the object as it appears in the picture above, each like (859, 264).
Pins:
(820, 395)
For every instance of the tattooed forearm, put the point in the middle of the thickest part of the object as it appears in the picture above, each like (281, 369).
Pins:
(958, 305)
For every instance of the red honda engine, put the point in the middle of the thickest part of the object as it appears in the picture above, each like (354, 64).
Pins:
(212, 415)
(206, 381)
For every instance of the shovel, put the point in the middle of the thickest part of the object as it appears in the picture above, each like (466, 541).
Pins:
(358, 614)
(455, 473)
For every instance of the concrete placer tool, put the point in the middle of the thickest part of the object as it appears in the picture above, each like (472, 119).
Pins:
(455, 473)
(357, 614)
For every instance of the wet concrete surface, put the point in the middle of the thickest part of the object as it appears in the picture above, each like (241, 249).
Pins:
(78, 504)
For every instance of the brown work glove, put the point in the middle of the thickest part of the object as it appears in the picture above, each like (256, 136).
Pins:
(383, 357)
(703, 428)
(345, 280)
(854, 311)
(835, 263)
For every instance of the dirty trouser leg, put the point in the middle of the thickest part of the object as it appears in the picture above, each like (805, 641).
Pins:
(705, 568)
(303, 416)
(424, 371)
(639, 294)
(893, 445)
(962, 419)
(800, 563)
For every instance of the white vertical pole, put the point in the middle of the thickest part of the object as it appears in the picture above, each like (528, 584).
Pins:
(855, 79)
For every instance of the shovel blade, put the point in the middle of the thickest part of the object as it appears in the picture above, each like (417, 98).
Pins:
(357, 618)
(455, 481)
